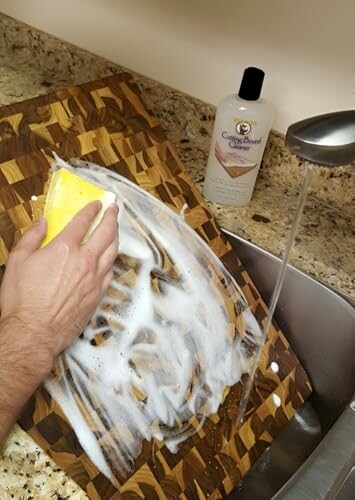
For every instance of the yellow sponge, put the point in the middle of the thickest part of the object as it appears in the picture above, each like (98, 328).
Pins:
(67, 194)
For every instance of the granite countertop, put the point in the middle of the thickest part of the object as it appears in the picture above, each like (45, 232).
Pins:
(34, 63)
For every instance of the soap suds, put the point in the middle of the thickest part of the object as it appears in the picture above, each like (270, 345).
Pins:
(183, 210)
(277, 400)
(172, 332)
(274, 367)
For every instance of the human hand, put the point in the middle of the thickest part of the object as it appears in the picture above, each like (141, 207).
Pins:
(54, 291)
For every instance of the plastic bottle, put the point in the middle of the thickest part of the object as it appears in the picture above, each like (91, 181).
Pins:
(241, 129)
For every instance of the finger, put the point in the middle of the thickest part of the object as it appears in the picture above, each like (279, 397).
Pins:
(105, 233)
(99, 293)
(32, 238)
(77, 228)
(107, 280)
(107, 259)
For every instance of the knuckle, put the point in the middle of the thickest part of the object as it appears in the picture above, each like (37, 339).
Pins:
(84, 218)
(86, 215)
(113, 254)
(61, 244)
(112, 250)
(89, 262)
(107, 280)
(109, 258)
(14, 254)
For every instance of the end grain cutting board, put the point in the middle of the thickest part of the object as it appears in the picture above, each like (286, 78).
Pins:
(107, 123)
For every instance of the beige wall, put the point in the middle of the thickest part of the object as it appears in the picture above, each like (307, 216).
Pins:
(307, 47)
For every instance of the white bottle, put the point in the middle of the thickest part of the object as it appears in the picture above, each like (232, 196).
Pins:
(239, 137)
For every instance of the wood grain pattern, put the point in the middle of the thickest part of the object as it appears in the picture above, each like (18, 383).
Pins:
(107, 123)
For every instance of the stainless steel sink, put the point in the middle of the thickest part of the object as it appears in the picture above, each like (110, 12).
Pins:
(314, 455)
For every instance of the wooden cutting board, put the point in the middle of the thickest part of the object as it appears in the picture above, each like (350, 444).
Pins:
(106, 122)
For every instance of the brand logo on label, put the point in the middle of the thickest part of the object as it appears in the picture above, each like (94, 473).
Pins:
(243, 128)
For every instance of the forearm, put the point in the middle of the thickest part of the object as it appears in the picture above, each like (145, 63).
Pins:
(23, 366)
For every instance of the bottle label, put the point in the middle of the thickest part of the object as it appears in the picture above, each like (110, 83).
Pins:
(234, 150)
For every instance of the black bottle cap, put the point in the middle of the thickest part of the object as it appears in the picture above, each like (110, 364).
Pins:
(252, 82)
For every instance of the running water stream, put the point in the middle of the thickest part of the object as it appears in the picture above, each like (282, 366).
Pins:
(291, 239)
(281, 276)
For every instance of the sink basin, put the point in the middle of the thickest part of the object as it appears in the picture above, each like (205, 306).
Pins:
(314, 455)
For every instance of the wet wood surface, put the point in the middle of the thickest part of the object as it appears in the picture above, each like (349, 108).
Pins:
(107, 122)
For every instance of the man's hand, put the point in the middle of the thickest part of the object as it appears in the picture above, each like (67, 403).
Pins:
(53, 291)
(48, 296)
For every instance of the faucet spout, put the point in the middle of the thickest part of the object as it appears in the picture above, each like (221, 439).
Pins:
(327, 140)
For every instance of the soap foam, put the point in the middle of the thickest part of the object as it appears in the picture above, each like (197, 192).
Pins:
(171, 332)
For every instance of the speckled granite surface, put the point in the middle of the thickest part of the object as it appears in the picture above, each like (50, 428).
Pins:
(27, 473)
(33, 63)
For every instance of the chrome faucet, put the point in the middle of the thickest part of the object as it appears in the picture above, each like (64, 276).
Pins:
(327, 140)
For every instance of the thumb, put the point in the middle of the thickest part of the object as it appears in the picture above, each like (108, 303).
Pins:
(33, 237)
